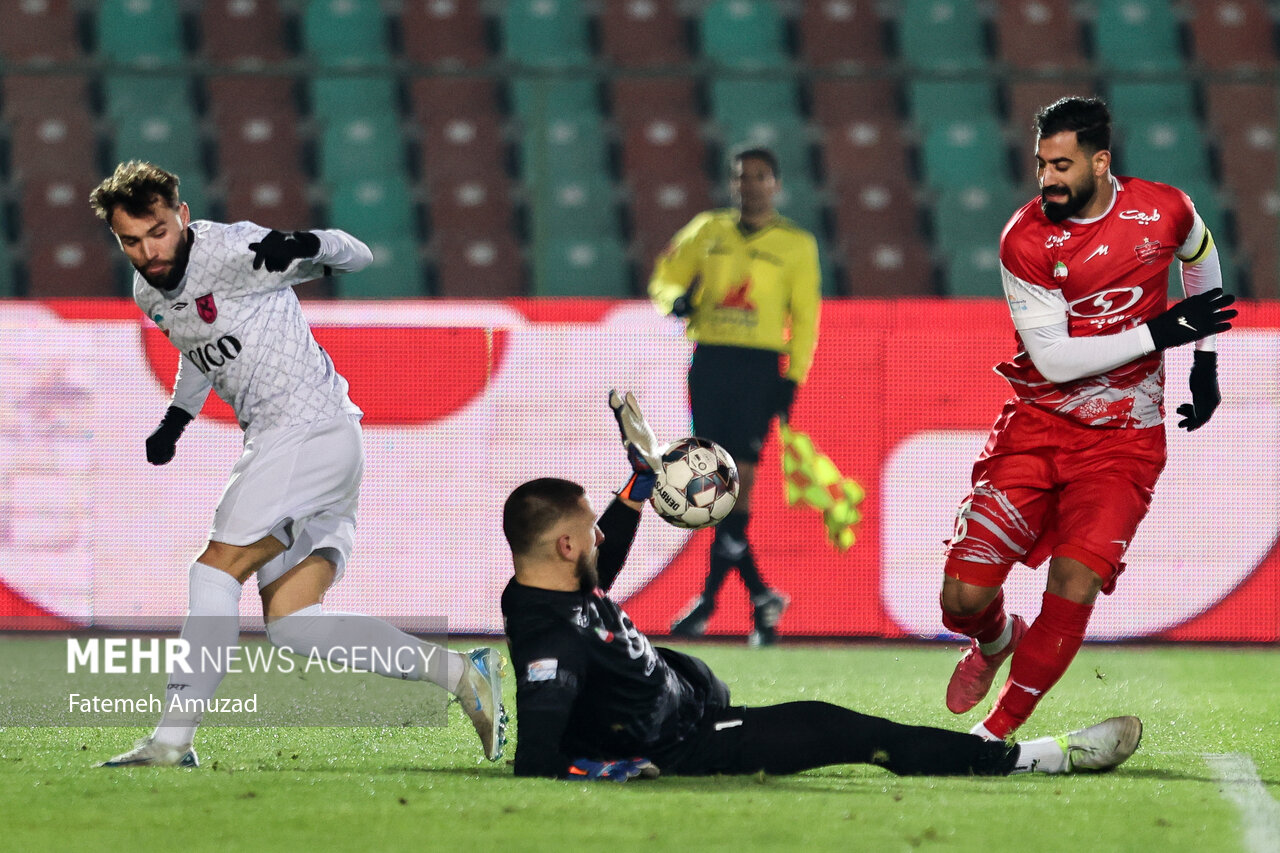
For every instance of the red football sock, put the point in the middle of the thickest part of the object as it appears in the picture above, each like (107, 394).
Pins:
(1043, 656)
(983, 627)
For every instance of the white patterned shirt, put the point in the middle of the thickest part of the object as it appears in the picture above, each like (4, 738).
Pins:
(241, 331)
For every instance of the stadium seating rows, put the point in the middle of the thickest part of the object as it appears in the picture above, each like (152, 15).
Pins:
(551, 147)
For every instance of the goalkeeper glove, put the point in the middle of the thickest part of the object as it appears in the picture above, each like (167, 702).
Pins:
(614, 771)
(1191, 319)
(277, 250)
(162, 443)
(641, 445)
(1205, 396)
(682, 307)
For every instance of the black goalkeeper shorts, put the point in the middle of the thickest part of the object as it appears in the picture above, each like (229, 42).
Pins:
(732, 394)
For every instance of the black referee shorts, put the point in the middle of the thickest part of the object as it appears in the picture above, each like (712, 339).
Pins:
(732, 393)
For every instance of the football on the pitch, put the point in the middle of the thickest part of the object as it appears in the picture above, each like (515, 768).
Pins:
(697, 483)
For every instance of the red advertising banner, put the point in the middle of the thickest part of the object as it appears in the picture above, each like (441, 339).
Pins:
(464, 401)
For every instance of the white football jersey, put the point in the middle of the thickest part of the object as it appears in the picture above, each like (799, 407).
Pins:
(241, 331)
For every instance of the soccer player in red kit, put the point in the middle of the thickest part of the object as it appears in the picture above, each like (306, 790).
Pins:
(1071, 463)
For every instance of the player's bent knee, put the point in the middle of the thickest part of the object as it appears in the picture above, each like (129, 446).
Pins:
(968, 588)
(293, 630)
(241, 561)
(1078, 574)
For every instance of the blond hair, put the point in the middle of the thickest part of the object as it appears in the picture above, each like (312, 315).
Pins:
(134, 186)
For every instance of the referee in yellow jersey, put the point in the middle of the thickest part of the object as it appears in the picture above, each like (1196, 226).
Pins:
(746, 281)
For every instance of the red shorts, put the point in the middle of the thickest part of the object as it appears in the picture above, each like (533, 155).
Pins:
(1047, 486)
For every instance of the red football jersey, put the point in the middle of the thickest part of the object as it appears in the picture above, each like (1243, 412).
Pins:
(1109, 274)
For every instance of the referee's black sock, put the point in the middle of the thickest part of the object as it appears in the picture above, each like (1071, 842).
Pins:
(731, 540)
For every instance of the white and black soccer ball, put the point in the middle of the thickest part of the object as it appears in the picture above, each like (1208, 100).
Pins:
(697, 483)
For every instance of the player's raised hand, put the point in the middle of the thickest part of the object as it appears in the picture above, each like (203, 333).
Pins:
(641, 445)
(277, 249)
(1205, 396)
(1193, 318)
(162, 443)
(614, 771)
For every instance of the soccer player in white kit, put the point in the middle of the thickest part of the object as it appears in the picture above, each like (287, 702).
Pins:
(223, 295)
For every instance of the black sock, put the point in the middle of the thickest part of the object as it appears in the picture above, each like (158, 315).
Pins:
(736, 544)
(728, 548)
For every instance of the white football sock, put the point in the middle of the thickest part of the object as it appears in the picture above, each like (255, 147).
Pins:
(999, 643)
(211, 627)
(373, 645)
(981, 731)
(1042, 755)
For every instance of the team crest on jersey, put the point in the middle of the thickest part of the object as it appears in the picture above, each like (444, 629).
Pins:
(1059, 270)
(1148, 250)
(206, 309)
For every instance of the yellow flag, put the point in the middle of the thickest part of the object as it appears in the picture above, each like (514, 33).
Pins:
(812, 479)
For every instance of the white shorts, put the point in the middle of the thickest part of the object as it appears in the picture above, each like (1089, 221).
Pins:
(300, 484)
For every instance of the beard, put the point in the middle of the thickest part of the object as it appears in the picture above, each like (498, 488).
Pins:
(169, 279)
(588, 577)
(1077, 198)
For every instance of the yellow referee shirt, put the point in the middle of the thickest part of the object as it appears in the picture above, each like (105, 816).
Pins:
(760, 289)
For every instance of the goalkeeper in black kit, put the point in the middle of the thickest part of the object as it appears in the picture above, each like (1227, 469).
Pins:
(595, 700)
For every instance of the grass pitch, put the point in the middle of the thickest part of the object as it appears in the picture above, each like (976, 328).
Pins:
(429, 788)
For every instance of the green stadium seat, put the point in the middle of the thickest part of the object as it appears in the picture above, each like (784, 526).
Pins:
(801, 202)
(1171, 150)
(743, 34)
(129, 92)
(396, 273)
(563, 148)
(8, 285)
(345, 33)
(745, 101)
(972, 217)
(581, 267)
(545, 33)
(376, 208)
(1134, 102)
(974, 271)
(941, 35)
(582, 206)
(165, 136)
(934, 102)
(143, 33)
(1136, 35)
(787, 138)
(345, 95)
(360, 145)
(963, 151)
(194, 190)
(534, 98)
(762, 112)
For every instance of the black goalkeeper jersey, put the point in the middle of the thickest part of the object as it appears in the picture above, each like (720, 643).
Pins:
(588, 683)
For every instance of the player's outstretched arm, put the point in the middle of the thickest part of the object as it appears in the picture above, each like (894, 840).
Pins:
(641, 446)
(277, 249)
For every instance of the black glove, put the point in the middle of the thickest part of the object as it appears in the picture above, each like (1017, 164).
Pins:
(682, 307)
(784, 394)
(1205, 396)
(278, 249)
(1193, 318)
(162, 442)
